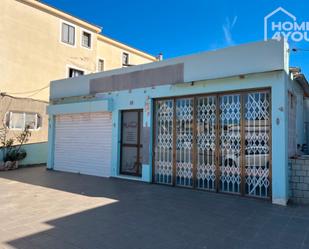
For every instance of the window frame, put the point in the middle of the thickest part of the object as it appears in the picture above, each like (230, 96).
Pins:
(68, 67)
(122, 62)
(98, 60)
(82, 31)
(38, 120)
(75, 32)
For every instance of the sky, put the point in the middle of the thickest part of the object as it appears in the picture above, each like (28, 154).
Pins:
(176, 27)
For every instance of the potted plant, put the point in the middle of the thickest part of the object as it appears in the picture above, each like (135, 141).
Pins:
(13, 153)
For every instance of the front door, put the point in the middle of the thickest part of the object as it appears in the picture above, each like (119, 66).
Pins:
(131, 137)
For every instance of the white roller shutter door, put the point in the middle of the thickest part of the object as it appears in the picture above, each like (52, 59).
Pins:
(83, 143)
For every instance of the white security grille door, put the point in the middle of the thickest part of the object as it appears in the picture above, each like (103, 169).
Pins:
(217, 142)
(230, 143)
(83, 143)
(184, 142)
(257, 142)
(164, 141)
(206, 142)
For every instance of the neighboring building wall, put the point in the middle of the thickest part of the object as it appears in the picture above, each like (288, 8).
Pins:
(8, 104)
(299, 180)
(36, 147)
(111, 52)
(32, 53)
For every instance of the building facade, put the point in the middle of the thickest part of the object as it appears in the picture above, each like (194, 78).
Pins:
(40, 44)
(217, 121)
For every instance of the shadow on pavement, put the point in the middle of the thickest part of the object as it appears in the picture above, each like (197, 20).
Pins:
(154, 216)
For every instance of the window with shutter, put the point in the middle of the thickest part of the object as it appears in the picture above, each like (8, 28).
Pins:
(68, 34)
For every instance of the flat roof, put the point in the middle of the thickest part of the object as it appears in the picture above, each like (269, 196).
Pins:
(250, 58)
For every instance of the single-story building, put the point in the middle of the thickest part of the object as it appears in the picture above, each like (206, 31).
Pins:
(16, 113)
(223, 121)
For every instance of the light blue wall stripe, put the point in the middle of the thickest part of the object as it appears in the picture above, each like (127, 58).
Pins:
(36, 153)
(81, 107)
(279, 141)
(51, 141)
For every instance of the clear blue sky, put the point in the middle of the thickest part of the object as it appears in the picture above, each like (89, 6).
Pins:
(179, 27)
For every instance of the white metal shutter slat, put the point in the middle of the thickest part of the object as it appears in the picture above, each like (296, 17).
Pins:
(83, 143)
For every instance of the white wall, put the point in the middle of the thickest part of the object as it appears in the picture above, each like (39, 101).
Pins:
(232, 61)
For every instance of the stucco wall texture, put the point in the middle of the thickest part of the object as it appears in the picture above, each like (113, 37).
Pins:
(25, 105)
(32, 53)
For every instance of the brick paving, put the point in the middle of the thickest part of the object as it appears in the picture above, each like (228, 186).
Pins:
(50, 210)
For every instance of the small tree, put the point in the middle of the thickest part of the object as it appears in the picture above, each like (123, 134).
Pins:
(13, 152)
(23, 137)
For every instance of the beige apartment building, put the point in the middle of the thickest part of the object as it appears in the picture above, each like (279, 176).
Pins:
(39, 43)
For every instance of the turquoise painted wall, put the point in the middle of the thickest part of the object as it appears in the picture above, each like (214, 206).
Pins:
(142, 99)
(51, 141)
(36, 154)
(298, 92)
(277, 81)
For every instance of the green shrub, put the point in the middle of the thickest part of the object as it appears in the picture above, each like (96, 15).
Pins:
(15, 155)
(10, 151)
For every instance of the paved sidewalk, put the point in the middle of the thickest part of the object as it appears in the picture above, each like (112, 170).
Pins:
(50, 210)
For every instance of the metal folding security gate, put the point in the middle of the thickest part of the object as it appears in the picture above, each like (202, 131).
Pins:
(218, 142)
